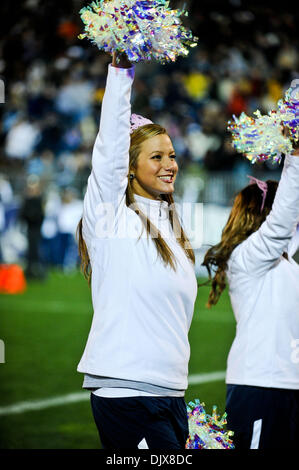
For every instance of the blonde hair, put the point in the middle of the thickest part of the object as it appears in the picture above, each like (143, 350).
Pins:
(137, 138)
(245, 218)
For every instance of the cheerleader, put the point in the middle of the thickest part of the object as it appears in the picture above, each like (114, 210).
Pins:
(255, 256)
(143, 283)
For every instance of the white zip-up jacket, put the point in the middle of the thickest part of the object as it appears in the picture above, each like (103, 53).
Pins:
(142, 309)
(264, 292)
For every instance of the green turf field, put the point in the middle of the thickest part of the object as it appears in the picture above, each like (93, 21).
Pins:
(45, 330)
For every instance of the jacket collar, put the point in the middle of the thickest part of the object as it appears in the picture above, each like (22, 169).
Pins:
(152, 207)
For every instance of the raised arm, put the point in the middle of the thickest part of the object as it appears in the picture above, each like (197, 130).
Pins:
(294, 244)
(261, 250)
(107, 182)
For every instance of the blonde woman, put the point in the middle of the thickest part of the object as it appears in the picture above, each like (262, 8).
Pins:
(255, 257)
(141, 272)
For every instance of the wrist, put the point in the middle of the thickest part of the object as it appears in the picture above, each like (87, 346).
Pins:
(296, 153)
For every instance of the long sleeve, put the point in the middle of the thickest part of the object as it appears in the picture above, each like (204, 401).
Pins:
(107, 182)
(294, 244)
(263, 248)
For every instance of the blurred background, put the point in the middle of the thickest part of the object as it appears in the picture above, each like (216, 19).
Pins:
(54, 83)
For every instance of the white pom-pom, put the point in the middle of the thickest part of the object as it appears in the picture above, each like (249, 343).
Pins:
(144, 30)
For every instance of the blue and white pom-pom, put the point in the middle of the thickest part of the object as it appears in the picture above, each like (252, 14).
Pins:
(207, 431)
(261, 138)
(144, 30)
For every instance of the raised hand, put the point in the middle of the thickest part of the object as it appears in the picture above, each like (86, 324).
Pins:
(121, 60)
(286, 133)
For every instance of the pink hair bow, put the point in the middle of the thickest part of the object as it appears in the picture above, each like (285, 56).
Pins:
(263, 187)
(138, 121)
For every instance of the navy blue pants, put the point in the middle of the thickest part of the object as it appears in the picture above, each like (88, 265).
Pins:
(263, 418)
(141, 422)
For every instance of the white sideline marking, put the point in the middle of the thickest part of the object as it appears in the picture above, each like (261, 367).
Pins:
(84, 396)
(206, 378)
(41, 404)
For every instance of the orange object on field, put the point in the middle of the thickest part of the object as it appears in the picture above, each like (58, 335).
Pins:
(12, 279)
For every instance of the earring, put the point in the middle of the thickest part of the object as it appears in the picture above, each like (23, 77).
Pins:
(132, 176)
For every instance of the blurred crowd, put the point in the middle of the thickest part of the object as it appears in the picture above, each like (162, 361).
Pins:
(246, 58)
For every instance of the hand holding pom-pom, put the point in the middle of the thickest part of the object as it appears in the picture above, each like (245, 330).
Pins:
(144, 30)
(288, 109)
(120, 60)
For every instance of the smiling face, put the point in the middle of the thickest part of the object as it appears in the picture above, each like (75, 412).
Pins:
(156, 168)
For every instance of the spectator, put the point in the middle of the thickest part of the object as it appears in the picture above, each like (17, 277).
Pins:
(21, 139)
(32, 214)
(69, 215)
